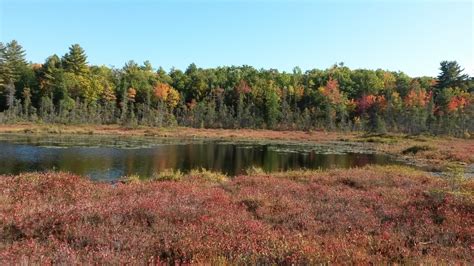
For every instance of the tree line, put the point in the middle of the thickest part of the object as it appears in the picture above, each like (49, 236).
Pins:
(70, 91)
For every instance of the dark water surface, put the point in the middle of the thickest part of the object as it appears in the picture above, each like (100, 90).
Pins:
(109, 158)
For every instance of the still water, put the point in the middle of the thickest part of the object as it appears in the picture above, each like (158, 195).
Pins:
(109, 158)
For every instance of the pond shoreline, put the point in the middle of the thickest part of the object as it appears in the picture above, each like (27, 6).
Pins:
(146, 157)
(376, 214)
(430, 153)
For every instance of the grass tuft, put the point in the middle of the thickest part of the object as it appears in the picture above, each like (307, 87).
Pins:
(208, 175)
(253, 170)
(131, 179)
(168, 175)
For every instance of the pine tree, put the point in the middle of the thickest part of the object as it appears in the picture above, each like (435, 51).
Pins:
(15, 60)
(51, 74)
(76, 60)
(12, 61)
(450, 77)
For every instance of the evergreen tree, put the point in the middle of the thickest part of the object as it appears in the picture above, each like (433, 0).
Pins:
(12, 62)
(451, 76)
(51, 75)
(76, 60)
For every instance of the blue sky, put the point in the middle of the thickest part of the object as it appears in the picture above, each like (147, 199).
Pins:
(411, 36)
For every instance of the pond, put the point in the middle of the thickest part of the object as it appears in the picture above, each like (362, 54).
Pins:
(109, 158)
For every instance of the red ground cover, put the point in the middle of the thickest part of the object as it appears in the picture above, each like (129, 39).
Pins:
(373, 214)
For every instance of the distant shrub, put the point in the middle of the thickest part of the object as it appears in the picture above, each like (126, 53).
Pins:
(253, 170)
(168, 175)
(131, 179)
(457, 181)
(208, 175)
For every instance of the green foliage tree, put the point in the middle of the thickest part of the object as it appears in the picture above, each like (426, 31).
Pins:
(272, 110)
(366, 82)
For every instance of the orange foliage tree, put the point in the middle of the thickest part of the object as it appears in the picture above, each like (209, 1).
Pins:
(167, 94)
(417, 98)
(457, 102)
(131, 93)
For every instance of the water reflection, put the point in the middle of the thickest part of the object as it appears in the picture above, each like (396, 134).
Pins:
(108, 163)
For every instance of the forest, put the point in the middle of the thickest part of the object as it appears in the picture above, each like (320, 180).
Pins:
(67, 90)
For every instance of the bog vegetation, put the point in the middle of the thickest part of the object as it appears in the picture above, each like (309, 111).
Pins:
(67, 90)
(373, 215)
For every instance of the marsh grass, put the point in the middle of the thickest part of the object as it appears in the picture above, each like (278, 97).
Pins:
(131, 179)
(208, 175)
(380, 138)
(416, 149)
(168, 175)
(254, 170)
(459, 184)
(177, 175)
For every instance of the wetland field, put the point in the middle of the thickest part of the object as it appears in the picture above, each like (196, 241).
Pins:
(236, 132)
(116, 195)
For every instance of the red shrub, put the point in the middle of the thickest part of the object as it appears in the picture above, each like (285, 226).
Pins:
(370, 215)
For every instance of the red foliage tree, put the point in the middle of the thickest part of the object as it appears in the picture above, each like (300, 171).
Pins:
(243, 87)
(371, 101)
(331, 91)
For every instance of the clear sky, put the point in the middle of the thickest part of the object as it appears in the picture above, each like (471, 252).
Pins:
(412, 36)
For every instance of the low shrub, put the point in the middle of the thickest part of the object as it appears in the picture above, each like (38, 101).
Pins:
(370, 215)
(417, 148)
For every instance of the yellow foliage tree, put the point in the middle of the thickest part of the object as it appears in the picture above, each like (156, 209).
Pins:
(173, 98)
